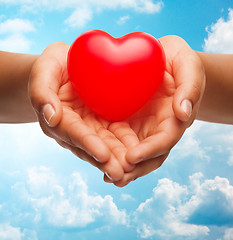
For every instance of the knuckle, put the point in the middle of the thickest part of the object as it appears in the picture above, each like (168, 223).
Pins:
(86, 138)
(196, 90)
(121, 184)
(101, 131)
(117, 148)
(117, 125)
(109, 138)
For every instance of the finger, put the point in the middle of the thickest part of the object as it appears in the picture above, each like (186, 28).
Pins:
(110, 140)
(167, 135)
(107, 179)
(190, 80)
(46, 77)
(112, 168)
(140, 170)
(43, 88)
(116, 147)
(74, 131)
(124, 133)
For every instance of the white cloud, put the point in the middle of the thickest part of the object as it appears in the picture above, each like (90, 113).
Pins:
(29, 142)
(146, 6)
(7, 232)
(12, 35)
(228, 234)
(15, 26)
(123, 20)
(66, 202)
(15, 43)
(126, 197)
(220, 35)
(230, 160)
(146, 231)
(180, 212)
(41, 182)
(149, 6)
(227, 142)
(211, 203)
(189, 144)
(79, 18)
(83, 10)
(165, 204)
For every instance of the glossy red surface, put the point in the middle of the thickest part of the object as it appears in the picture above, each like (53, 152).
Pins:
(116, 77)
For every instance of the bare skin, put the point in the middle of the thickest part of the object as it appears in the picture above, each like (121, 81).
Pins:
(132, 148)
(15, 104)
(217, 103)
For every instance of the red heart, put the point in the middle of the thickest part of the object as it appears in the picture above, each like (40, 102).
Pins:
(115, 77)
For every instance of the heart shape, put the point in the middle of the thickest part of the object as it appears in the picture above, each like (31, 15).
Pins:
(115, 77)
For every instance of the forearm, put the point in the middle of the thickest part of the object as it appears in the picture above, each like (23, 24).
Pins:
(15, 106)
(217, 103)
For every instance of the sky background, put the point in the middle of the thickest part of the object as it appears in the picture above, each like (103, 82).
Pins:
(47, 193)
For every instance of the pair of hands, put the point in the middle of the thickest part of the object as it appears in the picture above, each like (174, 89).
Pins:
(125, 150)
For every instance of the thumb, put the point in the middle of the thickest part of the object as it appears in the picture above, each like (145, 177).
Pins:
(44, 84)
(190, 83)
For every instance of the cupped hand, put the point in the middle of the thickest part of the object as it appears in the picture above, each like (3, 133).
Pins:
(145, 139)
(64, 117)
(160, 124)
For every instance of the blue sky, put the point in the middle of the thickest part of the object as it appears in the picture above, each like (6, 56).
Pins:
(47, 193)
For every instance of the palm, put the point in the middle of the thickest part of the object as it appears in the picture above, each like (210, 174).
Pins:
(155, 119)
(76, 114)
(156, 126)
(77, 128)
(152, 118)
(148, 134)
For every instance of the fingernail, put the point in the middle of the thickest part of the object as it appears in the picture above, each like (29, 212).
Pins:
(107, 180)
(97, 160)
(187, 107)
(48, 113)
(108, 176)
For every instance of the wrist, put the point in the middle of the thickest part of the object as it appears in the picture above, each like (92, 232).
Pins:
(216, 105)
(15, 70)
